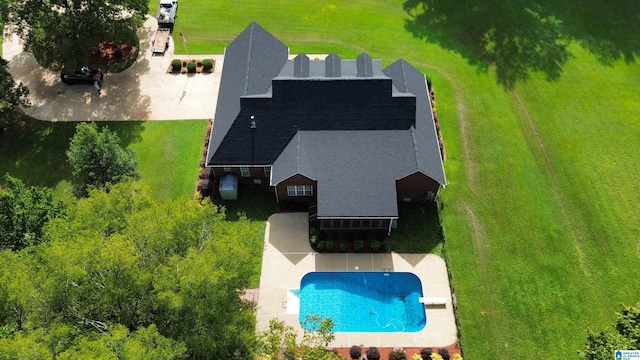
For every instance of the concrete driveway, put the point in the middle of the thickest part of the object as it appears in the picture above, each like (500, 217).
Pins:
(145, 91)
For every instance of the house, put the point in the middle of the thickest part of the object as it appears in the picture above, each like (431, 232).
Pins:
(350, 137)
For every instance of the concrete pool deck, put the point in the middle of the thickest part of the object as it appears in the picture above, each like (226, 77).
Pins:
(287, 257)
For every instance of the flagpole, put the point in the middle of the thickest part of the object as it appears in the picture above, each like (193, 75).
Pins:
(184, 42)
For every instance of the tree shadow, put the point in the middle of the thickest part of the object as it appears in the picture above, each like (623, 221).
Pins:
(254, 202)
(520, 38)
(419, 230)
(34, 151)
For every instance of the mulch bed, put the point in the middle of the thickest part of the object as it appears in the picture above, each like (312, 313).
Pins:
(385, 351)
(107, 53)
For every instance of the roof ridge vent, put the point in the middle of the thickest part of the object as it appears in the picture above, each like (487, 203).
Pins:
(301, 66)
(364, 66)
(332, 66)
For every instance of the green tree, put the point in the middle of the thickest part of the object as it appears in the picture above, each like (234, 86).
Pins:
(18, 295)
(12, 95)
(24, 211)
(125, 274)
(23, 346)
(601, 346)
(97, 158)
(119, 343)
(64, 33)
(279, 341)
(63, 342)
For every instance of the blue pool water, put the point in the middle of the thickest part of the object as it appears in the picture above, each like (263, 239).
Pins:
(364, 301)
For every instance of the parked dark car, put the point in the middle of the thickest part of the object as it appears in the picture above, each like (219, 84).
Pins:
(84, 75)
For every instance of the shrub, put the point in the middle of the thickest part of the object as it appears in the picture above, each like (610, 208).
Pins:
(358, 245)
(398, 354)
(373, 353)
(444, 353)
(457, 357)
(426, 353)
(321, 245)
(203, 187)
(355, 352)
(205, 173)
(117, 53)
(314, 231)
(375, 245)
(435, 356)
(384, 246)
(176, 65)
(208, 64)
(416, 357)
(191, 66)
(328, 245)
(343, 247)
(314, 239)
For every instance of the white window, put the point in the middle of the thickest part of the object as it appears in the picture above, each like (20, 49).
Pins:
(267, 171)
(300, 190)
(244, 171)
(226, 169)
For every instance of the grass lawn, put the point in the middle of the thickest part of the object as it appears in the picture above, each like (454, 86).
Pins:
(418, 231)
(34, 151)
(256, 204)
(540, 212)
(169, 155)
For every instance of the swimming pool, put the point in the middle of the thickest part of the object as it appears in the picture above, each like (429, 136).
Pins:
(364, 301)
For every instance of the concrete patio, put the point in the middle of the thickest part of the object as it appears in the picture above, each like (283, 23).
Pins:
(287, 257)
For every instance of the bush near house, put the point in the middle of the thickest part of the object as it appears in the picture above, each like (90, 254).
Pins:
(191, 66)
(176, 65)
(208, 64)
(398, 354)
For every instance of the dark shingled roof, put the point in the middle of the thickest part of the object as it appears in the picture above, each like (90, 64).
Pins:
(354, 169)
(351, 125)
(315, 102)
(408, 79)
(350, 166)
(332, 66)
(250, 62)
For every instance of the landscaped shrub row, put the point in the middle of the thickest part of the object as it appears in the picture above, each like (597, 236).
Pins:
(355, 352)
(191, 66)
(204, 186)
(352, 241)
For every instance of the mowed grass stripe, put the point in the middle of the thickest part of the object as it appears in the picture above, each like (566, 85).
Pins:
(169, 156)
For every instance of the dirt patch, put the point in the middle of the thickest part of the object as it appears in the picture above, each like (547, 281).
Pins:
(110, 53)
